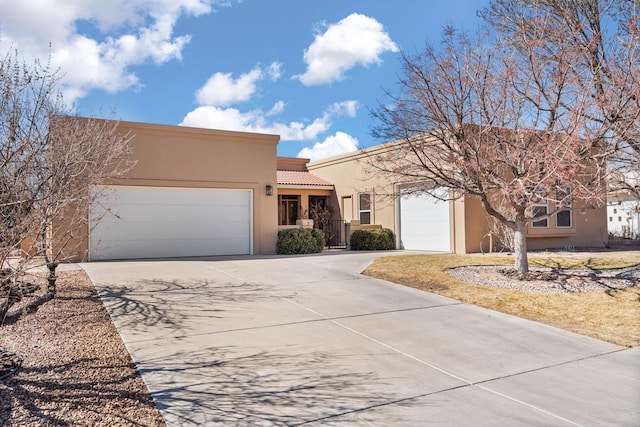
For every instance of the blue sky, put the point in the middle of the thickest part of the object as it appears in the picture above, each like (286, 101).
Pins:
(309, 71)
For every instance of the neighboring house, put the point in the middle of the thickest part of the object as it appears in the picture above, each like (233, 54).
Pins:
(425, 223)
(200, 192)
(623, 215)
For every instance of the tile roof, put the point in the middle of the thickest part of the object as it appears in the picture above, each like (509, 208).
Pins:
(301, 178)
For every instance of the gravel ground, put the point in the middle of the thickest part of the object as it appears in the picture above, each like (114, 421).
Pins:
(549, 280)
(76, 370)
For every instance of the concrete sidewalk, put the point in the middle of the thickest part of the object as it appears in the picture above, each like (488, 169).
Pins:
(309, 341)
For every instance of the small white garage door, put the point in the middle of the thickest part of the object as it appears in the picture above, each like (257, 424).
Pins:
(157, 222)
(424, 223)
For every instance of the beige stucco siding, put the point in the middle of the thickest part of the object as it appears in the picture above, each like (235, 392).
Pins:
(351, 174)
(176, 156)
(589, 229)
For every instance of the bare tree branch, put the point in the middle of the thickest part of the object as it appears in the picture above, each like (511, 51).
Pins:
(49, 160)
(504, 125)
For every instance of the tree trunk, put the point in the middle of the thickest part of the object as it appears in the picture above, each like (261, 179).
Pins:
(33, 306)
(521, 263)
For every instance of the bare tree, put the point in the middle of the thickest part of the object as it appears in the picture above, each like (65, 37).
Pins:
(48, 163)
(604, 36)
(507, 126)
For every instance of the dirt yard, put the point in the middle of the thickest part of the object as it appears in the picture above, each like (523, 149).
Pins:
(76, 369)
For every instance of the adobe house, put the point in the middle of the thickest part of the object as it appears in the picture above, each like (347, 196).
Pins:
(425, 223)
(202, 192)
(191, 192)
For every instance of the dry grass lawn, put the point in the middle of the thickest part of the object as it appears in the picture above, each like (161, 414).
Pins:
(612, 316)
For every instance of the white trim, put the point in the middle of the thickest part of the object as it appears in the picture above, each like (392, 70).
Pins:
(370, 210)
(545, 217)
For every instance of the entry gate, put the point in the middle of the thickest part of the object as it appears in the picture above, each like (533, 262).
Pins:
(334, 231)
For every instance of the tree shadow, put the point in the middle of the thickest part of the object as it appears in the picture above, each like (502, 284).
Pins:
(597, 279)
(45, 395)
(223, 387)
(232, 385)
(171, 304)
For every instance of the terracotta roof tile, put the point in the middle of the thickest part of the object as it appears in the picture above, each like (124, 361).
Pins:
(300, 178)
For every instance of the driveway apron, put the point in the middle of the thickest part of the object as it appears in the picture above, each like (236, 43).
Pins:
(308, 340)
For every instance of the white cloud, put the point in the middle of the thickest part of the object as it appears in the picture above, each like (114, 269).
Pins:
(344, 108)
(254, 121)
(215, 117)
(222, 89)
(355, 40)
(335, 145)
(277, 108)
(275, 71)
(130, 32)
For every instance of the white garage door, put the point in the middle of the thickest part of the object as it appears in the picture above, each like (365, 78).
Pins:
(424, 223)
(155, 222)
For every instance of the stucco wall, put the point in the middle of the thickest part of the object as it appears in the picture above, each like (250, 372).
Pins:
(589, 230)
(176, 156)
(351, 175)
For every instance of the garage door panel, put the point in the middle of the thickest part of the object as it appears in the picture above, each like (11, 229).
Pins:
(175, 230)
(150, 222)
(173, 196)
(424, 223)
(166, 248)
(174, 213)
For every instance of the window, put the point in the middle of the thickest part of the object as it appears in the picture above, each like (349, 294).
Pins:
(563, 217)
(364, 208)
(615, 211)
(289, 208)
(540, 209)
(610, 219)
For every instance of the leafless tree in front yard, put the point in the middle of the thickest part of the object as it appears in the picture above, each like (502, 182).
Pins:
(48, 162)
(513, 128)
(604, 37)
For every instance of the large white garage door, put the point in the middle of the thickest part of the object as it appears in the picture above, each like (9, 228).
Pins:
(156, 222)
(424, 223)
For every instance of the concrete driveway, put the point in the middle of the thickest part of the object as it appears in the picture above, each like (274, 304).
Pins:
(309, 341)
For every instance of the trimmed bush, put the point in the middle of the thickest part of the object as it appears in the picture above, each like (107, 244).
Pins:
(380, 239)
(300, 241)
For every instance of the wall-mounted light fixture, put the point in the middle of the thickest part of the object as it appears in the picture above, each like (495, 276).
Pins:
(269, 190)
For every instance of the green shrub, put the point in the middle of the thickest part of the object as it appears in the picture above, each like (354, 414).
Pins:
(318, 237)
(300, 241)
(380, 239)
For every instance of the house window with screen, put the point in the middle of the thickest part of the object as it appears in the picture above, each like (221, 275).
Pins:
(540, 209)
(364, 208)
(563, 217)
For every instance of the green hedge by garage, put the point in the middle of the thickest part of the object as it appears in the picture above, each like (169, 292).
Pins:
(300, 241)
(380, 239)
